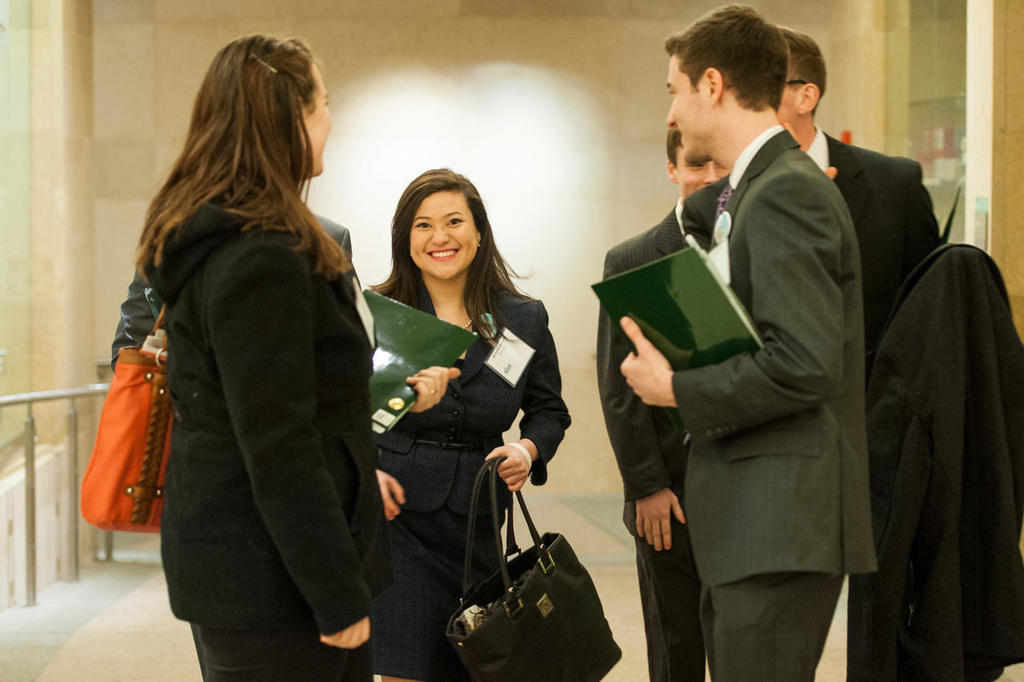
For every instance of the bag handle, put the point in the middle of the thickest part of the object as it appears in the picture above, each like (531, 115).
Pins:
(474, 502)
(490, 470)
(159, 319)
(159, 353)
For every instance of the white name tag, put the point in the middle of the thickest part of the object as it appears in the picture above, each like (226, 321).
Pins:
(719, 256)
(719, 253)
(510, 357)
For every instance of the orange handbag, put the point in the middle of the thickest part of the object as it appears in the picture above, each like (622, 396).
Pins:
(123, 487)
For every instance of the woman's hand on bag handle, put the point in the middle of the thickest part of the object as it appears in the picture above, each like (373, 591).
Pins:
(351, 637)
(430, 385)
(392, 493)
(519, 458)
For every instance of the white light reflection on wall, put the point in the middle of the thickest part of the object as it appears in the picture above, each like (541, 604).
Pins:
(533, 141)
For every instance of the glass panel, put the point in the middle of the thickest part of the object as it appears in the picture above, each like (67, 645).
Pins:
(936, 111)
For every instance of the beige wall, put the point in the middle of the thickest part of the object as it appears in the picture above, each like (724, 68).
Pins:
(15, 171)
(555, 110)
(46, 284)
(1008, 152)
(855, 98)
(60, 192)
(46, 264)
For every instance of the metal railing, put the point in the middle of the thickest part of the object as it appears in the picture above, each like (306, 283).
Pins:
(70, 573)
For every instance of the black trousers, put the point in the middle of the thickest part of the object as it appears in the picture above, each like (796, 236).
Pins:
(246, 656)
(769, 627)
(670, 595)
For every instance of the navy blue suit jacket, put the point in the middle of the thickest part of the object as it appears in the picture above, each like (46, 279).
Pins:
(479, 407)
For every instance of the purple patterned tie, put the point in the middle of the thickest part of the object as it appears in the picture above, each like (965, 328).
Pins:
(723, 199)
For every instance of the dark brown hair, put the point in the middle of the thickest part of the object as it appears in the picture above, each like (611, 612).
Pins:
(248, 150)
(748, 51)
(489, 275)
(673, 143)
(805, 60)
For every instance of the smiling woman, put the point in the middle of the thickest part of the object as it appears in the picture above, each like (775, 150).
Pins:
(444, 240)
(444, 262)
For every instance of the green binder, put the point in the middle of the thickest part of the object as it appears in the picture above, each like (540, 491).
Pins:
(408, 340)
(684, 309)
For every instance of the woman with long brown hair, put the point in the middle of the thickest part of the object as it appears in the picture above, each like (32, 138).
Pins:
(445, 262)
(270, 527)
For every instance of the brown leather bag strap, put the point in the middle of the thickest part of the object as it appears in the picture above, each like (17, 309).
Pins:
(147, 489)
(159, 319)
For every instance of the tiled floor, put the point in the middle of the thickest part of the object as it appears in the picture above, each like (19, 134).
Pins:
(115, 624)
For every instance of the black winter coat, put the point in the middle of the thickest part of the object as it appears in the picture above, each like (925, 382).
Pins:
(946, 440)
(273, 518)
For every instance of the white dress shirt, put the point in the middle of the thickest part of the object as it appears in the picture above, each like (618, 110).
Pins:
(818, 151)
(748, 153)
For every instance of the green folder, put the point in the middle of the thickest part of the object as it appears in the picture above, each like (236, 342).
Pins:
(684, 309)
(408, 340)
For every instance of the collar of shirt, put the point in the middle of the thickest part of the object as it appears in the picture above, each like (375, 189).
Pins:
(748, 153)
(818, 151)
(679, 212)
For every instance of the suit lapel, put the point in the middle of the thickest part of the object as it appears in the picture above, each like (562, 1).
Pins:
(849, 179)
(699, 211)
(475, 355)
(474, 361)
(770, 151)
(668, 237)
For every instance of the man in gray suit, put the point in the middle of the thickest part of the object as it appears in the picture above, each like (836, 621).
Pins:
(137, 318)
(651, 455)
(776, 484)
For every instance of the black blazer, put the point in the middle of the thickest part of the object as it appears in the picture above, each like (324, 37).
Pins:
(892, 215)
(477, 409)
(946, 436)
(272, 511)
(648, 448)
(137, 317)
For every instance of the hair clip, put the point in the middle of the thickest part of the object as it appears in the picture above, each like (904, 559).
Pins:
(272, 69)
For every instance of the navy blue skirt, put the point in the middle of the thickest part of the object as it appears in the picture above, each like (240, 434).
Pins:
(409, 618)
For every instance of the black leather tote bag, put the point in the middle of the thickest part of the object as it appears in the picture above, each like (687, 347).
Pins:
(538, 618)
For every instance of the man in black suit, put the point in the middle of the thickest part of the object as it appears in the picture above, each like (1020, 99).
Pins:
(891, 209)
(651, 455)
(776, 495)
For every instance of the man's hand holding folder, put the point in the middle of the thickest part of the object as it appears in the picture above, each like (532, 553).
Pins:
(647, 371)
(679, 314)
